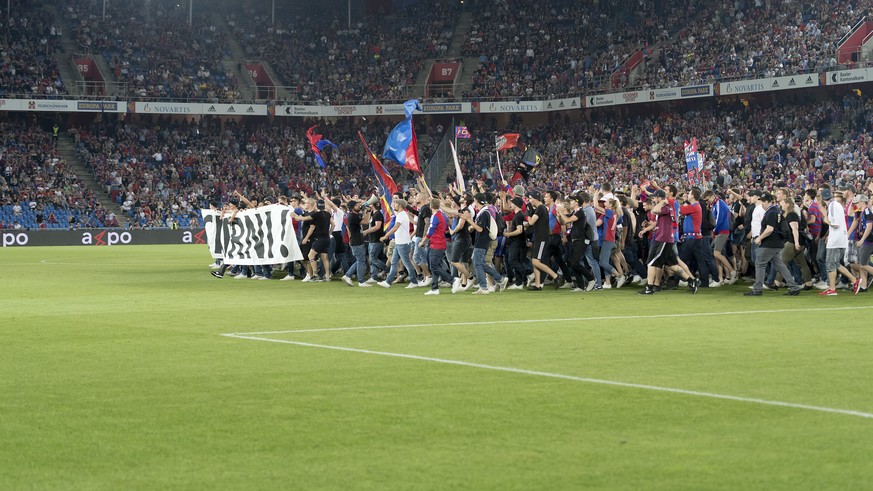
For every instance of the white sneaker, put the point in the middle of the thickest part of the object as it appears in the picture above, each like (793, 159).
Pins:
(348, 280)
(256, 277)
(262, 278)
(577, 289)
(412, 285)
(481, 292)
(384, 284)
(515, 287)
(714, 284)
(606, 286)
(566, 286)
(530, 278)
(621, 281)
(289, 277)
(372, 281)
(365, 285)
(683, 283)
(590, 286)
(468, 285)
(492, 289)
(307, 279)
(425, 281)
(432, 292)
(502, 285)
(456, 285)
(445, 284)
(637, 279)
(214, 266)
(240, 277)
(821, 285)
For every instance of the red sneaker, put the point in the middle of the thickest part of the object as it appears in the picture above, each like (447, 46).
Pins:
(828, 293)
(856, 286)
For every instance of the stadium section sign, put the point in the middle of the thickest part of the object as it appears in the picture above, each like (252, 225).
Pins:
(848, 76)
(769, 84)
(257, 237)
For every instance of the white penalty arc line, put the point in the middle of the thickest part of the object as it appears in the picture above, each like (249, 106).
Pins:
(711, 395)
(567, 319)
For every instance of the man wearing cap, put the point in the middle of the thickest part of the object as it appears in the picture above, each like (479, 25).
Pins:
(483, 226)
(770, 243)
(865, 239)
(837, 243)
(662, 254)
(539, 221)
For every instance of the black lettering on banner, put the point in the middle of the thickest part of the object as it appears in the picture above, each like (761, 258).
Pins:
(251, 238)
(269, 220)
(237, 235)
(259, 237)
(283, 222)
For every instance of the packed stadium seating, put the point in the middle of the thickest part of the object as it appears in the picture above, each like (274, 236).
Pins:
(29, 65)
(37, 188)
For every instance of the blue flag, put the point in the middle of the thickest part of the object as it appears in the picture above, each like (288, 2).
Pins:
(402, 145)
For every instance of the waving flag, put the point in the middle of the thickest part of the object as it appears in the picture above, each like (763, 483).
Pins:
(402, 145)
(462, 133)
(387, 187)
(507, 141)
(531, 157)
(318, 144)
(693, 161)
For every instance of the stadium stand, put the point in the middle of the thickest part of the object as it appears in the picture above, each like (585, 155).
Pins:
(29, 55)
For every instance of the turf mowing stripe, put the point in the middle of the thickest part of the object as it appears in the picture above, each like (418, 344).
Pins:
(846, 412)
(568, 319)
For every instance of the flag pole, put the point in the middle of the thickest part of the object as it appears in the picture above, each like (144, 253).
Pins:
(498, 166)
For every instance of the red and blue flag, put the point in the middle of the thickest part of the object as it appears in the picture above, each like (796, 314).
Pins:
(318, 145)
(387, 186)
(402, 145)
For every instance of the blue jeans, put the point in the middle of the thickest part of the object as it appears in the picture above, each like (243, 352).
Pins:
(359, 267)
(439, 270)
(402, 253)
(605, 254)
(376, 265)
(594, 265)
(481, 268)
(419, 255)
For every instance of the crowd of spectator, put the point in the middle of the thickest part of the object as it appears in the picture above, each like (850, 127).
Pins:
(152, 48)
(28, 54)
(323, 58)
(748, 146)
(162, 175)
(38, 190)
(750, 39)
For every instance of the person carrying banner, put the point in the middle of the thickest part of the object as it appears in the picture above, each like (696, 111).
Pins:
(318, 234)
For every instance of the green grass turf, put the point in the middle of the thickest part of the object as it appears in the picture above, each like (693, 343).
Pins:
(115, 376)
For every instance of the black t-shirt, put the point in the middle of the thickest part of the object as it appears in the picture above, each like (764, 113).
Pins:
(464, 232)
(423, 221)
(483, 239)
(518, 221)
(355, 236)
(773, 218)
(577, 231)
(791, 217)
(376, 235)
(321, 221)
(541, 230)
(867, 219)
(630, 236)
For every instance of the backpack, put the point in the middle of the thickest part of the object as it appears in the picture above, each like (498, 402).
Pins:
(492, 224)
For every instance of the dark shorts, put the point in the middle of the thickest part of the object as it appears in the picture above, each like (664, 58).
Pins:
(461, 250)
(305, 248)
(321, 245)
(662, 255)
(539, 250)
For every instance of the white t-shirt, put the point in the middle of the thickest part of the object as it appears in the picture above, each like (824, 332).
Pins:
(338, 217)
(757, 218)
(402, 235)
(838, 236)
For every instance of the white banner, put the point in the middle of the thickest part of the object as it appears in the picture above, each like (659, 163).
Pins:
(511, 107)
(769, 84)
(235, 109)
(256, 237)
(562, 104)
(167, 107)
(651, 95)
(849, 76)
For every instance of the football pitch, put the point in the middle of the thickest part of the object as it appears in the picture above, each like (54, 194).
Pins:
(131, 367)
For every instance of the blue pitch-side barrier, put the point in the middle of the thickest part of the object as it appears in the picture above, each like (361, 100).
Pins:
(100, 237)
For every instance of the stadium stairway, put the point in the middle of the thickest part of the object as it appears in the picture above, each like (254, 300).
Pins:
(67, 149)
(459, 37)
(237, 57)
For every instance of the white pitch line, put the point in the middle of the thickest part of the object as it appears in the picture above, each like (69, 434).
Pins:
(846, 412)
(567, 319)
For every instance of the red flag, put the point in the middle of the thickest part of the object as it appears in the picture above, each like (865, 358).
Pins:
(507, 141)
